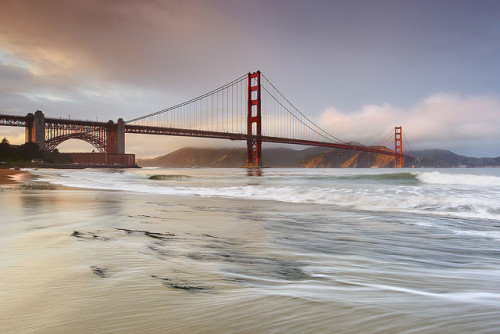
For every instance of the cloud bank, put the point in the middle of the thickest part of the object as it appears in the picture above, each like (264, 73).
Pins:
(442, 120)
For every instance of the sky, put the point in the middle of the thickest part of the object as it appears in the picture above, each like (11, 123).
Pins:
(356, 67)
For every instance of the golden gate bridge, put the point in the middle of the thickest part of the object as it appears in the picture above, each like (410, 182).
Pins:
(249, 108)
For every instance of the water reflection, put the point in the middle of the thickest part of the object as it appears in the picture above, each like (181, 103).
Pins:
(32, 203)
(255, 172)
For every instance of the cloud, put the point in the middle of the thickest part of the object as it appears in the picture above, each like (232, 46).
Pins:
(126, 58)
(439, 121)
(365, 125)
(114, 58)
(134, 41)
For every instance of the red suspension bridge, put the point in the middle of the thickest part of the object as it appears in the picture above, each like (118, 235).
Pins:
(249, 108)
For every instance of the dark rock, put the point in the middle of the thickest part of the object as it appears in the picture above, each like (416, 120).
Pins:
(101, 272)
(155, 235)
(183, 285)
(88, 235)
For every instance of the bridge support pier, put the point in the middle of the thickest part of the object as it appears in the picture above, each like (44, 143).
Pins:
(121, 136)
(35, 129)
(254, 145)
(115, 137)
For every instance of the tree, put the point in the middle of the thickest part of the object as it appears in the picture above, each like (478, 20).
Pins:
(29, 151)
(5, 150)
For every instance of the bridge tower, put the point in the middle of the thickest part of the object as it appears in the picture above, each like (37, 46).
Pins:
(254, 145)
(398, 147)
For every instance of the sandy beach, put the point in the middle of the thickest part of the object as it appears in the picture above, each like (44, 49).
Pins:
(10, 176)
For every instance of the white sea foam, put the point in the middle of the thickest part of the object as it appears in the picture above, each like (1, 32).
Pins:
(479, 234)
(374, 195)
(458, 179)
(476, 297)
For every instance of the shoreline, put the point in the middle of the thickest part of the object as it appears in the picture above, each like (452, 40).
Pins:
(11, 174)
(15, 179)
(63, 166)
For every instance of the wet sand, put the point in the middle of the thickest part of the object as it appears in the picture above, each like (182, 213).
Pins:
(100, 261)
(10, 176)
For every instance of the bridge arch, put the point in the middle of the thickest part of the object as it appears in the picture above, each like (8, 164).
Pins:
(98, 142)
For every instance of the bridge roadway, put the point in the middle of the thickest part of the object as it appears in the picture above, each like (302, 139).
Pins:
(20, 121)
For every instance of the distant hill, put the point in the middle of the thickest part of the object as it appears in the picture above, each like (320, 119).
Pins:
(221, 157)
(443, 158)
(315, 157)
(197, 157)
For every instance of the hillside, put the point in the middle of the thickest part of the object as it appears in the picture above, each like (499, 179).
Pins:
(222, 157)
(275, 157)
(316, 157)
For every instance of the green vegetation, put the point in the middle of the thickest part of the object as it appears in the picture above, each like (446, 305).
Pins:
(30, 153)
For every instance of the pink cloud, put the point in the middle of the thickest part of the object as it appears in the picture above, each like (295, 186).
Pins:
(441, 120)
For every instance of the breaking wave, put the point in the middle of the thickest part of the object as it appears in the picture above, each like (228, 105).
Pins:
(458, 179)
(456, 195)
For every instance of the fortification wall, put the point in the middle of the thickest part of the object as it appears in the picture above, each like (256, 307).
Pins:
(104, 159)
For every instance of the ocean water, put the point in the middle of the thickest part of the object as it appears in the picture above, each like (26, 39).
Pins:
(251, 251)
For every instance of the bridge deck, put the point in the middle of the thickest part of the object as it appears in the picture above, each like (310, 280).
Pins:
(21, 121)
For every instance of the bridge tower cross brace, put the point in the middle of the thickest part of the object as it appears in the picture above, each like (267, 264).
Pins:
(398, 147)
(254, 142)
